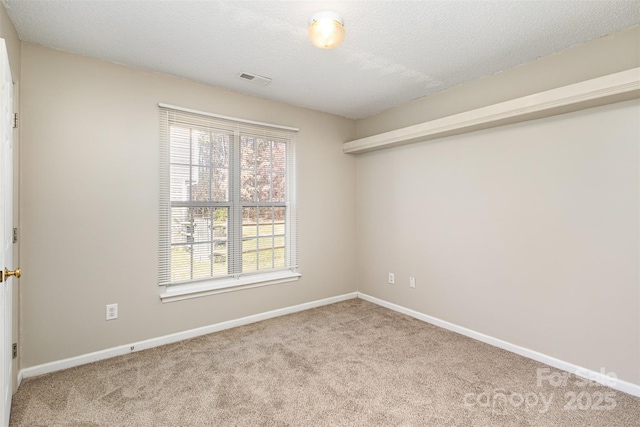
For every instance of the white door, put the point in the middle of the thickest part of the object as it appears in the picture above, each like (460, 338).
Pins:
(6, 232)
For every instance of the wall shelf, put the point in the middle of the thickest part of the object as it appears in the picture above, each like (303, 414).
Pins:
(604, 90)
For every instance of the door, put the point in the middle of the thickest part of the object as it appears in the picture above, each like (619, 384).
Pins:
(6, 232)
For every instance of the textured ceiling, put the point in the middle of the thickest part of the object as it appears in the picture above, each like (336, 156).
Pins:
(394, 51)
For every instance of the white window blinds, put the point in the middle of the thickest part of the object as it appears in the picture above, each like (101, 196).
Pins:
(227, 197)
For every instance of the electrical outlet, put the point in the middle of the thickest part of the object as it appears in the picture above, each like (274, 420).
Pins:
(112, 311)
(392, 278)
(412, 282)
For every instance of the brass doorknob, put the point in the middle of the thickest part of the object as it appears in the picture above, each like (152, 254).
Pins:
(15, 272)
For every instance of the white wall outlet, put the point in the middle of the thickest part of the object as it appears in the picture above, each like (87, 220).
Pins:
(392, 278)
(112, 311)
(412, 282)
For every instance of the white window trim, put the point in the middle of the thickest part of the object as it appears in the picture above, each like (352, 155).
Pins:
(179, 292)
(232, 119)
(212, 287)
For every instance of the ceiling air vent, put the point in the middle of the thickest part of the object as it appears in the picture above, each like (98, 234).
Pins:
(255, 78)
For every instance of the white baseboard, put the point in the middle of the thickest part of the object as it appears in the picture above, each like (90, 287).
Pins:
(600, 377)
(83, 359)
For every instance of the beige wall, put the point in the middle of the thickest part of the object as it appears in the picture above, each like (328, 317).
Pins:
(90, 196)
(607, 55)
(9, 34)
(14, 46)
(527, 233)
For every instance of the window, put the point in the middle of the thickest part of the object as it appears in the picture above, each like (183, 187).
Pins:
(227, 203)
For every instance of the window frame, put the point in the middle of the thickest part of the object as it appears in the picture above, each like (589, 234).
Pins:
(233, 280)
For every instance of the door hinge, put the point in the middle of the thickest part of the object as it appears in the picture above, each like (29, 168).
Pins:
(15, 120)
(14, 349)
(15, 235)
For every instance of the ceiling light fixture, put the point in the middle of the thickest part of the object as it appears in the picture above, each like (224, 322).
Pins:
(326, 30)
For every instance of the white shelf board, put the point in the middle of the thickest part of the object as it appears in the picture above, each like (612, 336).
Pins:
(608, 89)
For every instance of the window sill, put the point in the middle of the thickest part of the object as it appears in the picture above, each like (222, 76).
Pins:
(188, 291)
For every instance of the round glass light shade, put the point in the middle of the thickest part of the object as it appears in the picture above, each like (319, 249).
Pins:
(326, 30)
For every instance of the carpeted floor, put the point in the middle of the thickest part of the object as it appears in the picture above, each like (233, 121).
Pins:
(351, 363)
